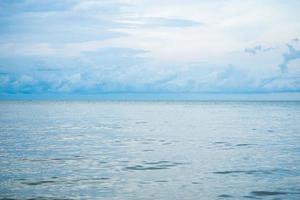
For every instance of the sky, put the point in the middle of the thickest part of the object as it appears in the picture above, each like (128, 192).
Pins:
(149, 46)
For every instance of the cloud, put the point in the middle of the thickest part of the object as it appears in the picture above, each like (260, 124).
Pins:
(90, 46)
(253, 50)
(282, 84)
(257, 49)
(292, 54)
(155, 22)
(56, 22)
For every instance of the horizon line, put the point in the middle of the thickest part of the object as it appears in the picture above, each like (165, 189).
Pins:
(146, 96)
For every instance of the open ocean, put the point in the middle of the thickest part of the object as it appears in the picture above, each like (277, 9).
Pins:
(149, 150)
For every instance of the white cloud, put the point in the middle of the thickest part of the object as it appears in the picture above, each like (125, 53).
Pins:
(140, 45)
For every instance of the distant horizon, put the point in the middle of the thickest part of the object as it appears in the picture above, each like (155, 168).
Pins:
(163, 96)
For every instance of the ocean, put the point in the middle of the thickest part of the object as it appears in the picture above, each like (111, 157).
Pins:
(149, 150)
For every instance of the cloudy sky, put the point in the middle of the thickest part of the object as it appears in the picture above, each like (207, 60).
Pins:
(100, 46)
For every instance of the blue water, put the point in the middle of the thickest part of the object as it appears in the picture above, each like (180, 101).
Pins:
(149, 150)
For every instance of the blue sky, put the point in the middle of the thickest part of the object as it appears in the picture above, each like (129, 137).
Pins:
(138, 46)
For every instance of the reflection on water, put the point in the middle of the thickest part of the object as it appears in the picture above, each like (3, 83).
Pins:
(149, 150)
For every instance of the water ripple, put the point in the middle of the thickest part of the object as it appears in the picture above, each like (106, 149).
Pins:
(225, 196)
(267, 193)
(243, 172)
(154, 165)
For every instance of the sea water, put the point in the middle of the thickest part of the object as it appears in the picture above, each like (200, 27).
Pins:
(149, 150)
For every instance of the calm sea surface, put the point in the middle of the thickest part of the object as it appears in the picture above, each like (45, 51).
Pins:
(149, 150)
